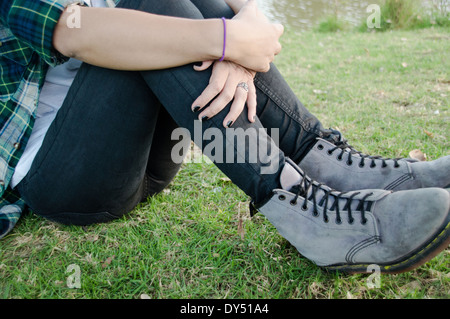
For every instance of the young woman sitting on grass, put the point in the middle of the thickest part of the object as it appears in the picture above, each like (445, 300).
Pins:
(90, 96)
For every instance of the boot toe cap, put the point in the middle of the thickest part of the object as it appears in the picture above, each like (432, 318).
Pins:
(420, 217)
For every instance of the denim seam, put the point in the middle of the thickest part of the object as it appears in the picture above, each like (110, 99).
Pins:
(288, 111)
(145, 195)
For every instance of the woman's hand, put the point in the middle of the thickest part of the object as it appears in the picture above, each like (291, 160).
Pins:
(226, 84)
(252, 45)
(252, 41)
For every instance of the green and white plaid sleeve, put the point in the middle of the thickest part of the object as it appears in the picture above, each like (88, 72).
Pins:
(33, 23)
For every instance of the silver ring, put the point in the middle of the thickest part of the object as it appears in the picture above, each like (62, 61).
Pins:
(243, 85)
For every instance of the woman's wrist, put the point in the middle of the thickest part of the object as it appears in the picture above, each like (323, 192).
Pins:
(234, 49)
(211, 33)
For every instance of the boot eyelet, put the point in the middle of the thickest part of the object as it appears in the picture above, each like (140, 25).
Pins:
(325, 219)
(361, 165)
(282, 197)
(329, 152)
(350, 221)
(373, 165)
(320, 147)
(339, 158)
(364, 221)
(397, 165)
(338, 221)
(304, 208)
(349, 163)
(315, 214)
(293, 202)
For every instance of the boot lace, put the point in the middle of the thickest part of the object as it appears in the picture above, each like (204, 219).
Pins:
(307, 186)
(343, 146)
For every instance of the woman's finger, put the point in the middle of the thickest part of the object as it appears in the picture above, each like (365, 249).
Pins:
(222, 100)
(251, 102)
(228, 82)
(215, 86)
(237, 106)
(204, 66)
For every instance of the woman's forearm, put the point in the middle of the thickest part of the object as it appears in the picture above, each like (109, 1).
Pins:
(133, 40)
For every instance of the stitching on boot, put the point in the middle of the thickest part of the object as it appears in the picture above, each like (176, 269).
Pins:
(357, 267)
(363, 244)
(398, 181)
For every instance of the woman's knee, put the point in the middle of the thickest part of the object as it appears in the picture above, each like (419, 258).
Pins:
(175, 8)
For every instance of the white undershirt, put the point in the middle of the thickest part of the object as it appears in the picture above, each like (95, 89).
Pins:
(57, 84)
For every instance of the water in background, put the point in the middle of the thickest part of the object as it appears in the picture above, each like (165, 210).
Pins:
(306, 14)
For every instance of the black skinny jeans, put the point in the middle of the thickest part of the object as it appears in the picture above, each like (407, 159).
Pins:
(110, 146)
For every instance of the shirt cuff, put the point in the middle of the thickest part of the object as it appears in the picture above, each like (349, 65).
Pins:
(34, 22)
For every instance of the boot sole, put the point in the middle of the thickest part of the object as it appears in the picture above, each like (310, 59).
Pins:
(416, 259)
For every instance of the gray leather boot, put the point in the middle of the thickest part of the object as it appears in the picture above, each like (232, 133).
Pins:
(397, 231)
(341, 167)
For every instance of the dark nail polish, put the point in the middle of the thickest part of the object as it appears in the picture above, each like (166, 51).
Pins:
(229, 124)
(196, 108)
(205, 118)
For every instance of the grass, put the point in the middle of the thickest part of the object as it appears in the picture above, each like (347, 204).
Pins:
(387, 92)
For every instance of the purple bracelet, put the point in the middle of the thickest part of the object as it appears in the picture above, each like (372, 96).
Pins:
(224, 38)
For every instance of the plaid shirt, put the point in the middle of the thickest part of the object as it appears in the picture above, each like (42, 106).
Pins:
(26, 51)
